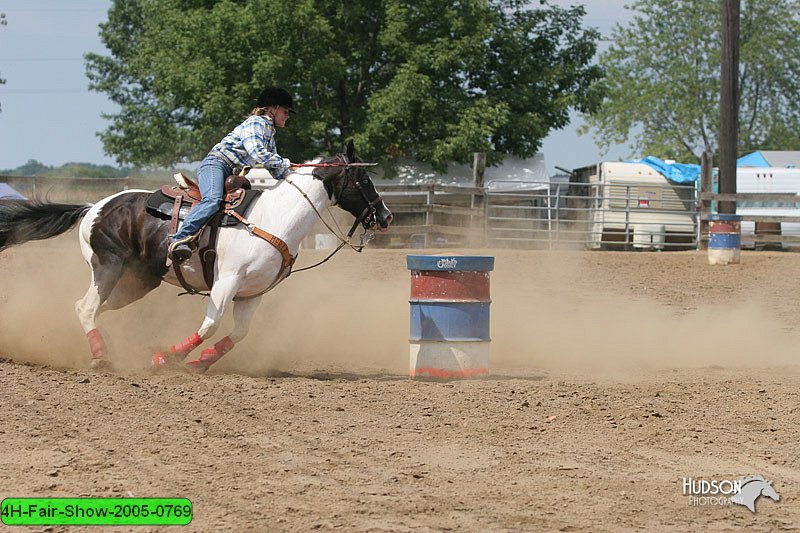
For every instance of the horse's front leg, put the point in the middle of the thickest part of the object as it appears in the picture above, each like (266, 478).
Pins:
(243, 311)
(221, 296)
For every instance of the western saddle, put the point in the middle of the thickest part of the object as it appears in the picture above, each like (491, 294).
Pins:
(238, 196)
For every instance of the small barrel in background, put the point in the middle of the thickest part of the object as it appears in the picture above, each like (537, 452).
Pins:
(724, 239)
(450, 301)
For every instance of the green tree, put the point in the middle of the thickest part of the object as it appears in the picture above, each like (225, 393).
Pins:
(662, 79)
(88, 170)
(434, 80)
(31, 168)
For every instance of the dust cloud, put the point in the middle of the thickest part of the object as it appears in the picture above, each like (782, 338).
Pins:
(560, 311)
(550, 310)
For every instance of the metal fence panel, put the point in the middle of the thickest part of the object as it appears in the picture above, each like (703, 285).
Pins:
(593, 215)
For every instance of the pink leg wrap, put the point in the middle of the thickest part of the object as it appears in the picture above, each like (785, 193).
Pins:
(209, 356)
(97, 344)
(183, 348)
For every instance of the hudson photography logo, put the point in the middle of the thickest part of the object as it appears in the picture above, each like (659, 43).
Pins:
(723, 492)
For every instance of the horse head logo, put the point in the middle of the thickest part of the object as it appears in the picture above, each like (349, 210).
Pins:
(752, 488)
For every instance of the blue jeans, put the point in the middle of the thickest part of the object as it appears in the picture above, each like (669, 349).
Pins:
(211, 179)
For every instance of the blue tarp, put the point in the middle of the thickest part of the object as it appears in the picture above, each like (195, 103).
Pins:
(756, 159)
(8, 193)
(677, 172)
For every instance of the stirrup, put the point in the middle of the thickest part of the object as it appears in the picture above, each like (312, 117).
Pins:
(180, 250)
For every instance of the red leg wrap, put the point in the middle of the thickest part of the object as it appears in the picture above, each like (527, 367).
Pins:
(209, 356)
(97, 344)
(183, 348)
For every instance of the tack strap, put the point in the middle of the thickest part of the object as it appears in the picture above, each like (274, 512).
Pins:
(287, 262)
(173, 228)
(343, 241)
(269, 237)
(176, 209)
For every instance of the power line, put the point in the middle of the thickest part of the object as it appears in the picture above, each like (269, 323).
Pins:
(44, 91)
(55, 10)
(38, 59)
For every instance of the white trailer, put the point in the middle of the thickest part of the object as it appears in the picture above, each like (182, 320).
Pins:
(633, 205)
(776, 180)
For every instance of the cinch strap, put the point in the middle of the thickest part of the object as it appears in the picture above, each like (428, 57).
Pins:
(288, 260)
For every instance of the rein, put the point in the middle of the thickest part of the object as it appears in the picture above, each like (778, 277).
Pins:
(329, 165)
(343, 241)
(288, 260)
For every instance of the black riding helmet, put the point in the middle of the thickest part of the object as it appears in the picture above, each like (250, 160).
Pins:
(275, 96)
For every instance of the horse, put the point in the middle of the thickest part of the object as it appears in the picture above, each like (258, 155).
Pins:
(752, 488)
(126, 249)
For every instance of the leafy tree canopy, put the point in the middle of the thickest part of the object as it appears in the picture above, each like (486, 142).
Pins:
(431, 79)
(662, 79)
(31, 168)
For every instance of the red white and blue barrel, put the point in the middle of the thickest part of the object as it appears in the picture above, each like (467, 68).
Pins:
(449, 316)
(724, 239)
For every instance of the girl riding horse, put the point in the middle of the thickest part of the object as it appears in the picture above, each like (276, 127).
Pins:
(250, 143)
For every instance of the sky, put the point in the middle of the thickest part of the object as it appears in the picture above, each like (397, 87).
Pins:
(47, 112)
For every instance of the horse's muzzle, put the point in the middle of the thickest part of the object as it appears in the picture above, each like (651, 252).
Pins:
(380, 218)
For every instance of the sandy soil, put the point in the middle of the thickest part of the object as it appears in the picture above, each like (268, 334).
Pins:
(615, 376)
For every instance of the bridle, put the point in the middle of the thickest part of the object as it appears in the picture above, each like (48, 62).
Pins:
(368, 217)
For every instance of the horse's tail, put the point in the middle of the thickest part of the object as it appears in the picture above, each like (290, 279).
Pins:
(29, 220)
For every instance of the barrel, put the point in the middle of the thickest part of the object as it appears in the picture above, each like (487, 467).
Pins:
(724, 239)
(450, 300)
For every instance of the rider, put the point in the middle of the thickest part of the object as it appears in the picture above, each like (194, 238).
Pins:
(251, 142)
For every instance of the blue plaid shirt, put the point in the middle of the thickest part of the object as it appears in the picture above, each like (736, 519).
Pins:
(253, 143)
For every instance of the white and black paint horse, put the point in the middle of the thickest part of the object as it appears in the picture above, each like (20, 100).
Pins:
(126, 248)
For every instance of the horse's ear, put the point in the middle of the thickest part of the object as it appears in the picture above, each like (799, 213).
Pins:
(349, 150)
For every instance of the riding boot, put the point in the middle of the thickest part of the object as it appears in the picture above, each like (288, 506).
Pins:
(180, 250)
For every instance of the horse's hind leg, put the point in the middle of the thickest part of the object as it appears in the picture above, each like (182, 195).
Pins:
(113, 286)
(122, 246)
(243, 311)
(104, 279)
(131, 286)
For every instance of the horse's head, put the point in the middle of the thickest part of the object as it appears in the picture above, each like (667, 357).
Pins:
(751, 488)
(769, 491)
(352, 189)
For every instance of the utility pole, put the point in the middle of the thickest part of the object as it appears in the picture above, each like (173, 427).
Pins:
(729, 102)
(478, 168)
(478, 199)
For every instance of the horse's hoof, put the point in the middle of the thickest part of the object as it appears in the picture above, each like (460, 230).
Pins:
(100, 365)
(196, 366)
(162, 361)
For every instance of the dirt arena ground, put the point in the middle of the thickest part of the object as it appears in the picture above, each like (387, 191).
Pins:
(615, 376)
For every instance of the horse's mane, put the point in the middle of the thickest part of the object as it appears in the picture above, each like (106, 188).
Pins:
(748, 479)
